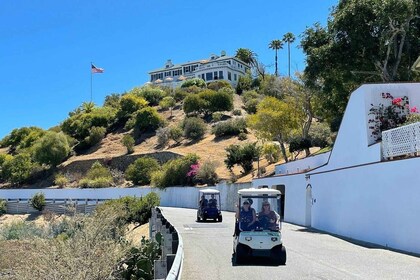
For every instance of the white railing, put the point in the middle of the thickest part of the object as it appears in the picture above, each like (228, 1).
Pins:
(404, 140)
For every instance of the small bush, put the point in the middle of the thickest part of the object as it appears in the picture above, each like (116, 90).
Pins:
(3, 207)
(152, 95)
(207, 172)
(162, 134)
(175, 133)
(38, 201)
(194, 82)
(219, 85)
(249, 95)
(180, 94)
(98, 176)
(20, 231)
(167, 102)
(214, 101)
(251, 106)
(271, 152)
(194, 128)
(128, 142)
(217, 116)
(129, 104)
(61, 180)
(242, 136)
(140, 172)
(51, 149)
(237, 112)
(193, 104)
(412, 118)
(148, 119)
(96, 134)
(229, 127)
(174, 172)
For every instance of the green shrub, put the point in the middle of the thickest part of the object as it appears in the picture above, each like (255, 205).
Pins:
(412, 118)
(17, 169)
(180, 94)
(271, 152)
(193, 104)
(140, 172)
(237, 112)
(162, 134)
(241, 155)
(128, 142)
(38, 201)
(61, 180)
(112, 100)
(21, 138)
(249, 95)
(194, 128)
(129, 104)
(229, 127)
(175, 133)
(320, 135)
(251, 106)
(194, 82)
(244, 84)
(167, 102)
(207, 172)
(216, 85)
(3, 207)
(152, 95)
(20, 230)
(174, 172)
(299, 144)
(98, 176)
(217, 116)
(148, 119)
(51, 149)
(96, 134)
(214, 101)
(242, 136)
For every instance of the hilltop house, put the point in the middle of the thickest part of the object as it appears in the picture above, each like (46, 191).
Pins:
(223, 67)
(366, 188)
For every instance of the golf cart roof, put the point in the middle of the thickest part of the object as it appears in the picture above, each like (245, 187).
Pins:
(209, 191)
(258, 192)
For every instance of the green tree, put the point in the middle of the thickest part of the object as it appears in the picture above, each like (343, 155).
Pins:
(152, 94)
(129, 104)
(128, 142)
(167, 102)
(246, 55)
(241, 155)
(215, 101)
(289, 38)
(148, 119)
(140, 172)
(276, 45)
(197, 82)
(274, 119)
(51, 149)
(364, 41)
(17, 169)
(194, 128)
(193, 104)
(112, 100)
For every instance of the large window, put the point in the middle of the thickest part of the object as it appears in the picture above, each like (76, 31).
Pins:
(235, 77)
(229, 76)
(209, 76)
(215, 75)
(202, 77)
(221, 75)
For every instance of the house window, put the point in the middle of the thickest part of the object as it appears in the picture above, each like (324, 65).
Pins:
(202, 77)
(209, 76)
(229, 76)
(220, 75)
(215, 75)
(235, 77)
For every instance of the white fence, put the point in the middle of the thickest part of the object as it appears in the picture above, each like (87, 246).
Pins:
(404, 140)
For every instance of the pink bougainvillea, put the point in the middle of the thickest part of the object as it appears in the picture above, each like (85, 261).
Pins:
(397, 101)
(414, 110)
(193, 170)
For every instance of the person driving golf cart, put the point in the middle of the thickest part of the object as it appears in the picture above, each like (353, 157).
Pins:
(246, 217)
(208, 205)
(212, 201)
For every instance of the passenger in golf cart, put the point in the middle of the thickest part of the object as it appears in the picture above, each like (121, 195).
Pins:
(267, 218)
(209, 206)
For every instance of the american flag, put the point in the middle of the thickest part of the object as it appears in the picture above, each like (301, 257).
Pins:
(96, 69)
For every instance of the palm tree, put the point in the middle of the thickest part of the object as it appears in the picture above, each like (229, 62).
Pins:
(289, 38)
(247, 56)
(87, 107)
(276, 45)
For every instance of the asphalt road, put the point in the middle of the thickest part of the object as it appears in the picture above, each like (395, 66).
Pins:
(310, 254)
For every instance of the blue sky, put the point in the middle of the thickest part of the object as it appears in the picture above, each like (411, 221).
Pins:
(46, 46)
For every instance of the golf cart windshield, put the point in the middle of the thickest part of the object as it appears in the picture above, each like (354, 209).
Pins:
(266, 209)
(210, 199)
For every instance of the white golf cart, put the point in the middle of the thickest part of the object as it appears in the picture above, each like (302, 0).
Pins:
(209, 205)
(263, 238)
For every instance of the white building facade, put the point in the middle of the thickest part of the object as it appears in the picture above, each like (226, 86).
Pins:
(356, 191)
(223, 67)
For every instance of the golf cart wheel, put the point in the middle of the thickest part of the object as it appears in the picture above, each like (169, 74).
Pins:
(204, 218)
(220, 219)
(240, 254)
(279, 255)
(198, 218)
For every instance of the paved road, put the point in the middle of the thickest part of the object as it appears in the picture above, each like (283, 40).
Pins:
(310, 254)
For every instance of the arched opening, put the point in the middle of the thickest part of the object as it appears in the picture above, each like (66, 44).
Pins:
(308, 216)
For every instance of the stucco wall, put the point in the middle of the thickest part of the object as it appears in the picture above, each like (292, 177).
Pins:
(377, 203)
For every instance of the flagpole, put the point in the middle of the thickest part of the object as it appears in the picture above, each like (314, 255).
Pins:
(91, 78)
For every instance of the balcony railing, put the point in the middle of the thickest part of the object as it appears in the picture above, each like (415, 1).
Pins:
(400, 141)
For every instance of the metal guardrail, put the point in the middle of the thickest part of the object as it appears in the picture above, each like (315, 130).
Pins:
(169, 266)
(404, 140)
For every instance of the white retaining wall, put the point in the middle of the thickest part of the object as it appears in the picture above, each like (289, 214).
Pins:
(302, 164)
(186, 197)
(377, 203)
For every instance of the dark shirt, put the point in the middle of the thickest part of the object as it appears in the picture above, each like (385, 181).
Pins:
(245, 218)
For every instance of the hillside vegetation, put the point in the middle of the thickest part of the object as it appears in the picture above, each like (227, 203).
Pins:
(215, 130)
